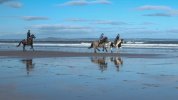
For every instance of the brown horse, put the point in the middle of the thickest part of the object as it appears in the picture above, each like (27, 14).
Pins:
(28, 42)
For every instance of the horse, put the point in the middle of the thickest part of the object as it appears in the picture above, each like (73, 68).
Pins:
(105, 45)
(116, 44)
(96, 45)
(27, 42)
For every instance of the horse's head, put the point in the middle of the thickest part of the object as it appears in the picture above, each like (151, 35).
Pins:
(33, 36)
(122, 40)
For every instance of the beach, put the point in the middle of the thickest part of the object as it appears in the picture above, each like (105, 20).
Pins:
(88, 50)
(44, 54)
(54, 75)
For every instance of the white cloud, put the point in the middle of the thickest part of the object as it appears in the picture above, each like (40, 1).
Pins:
(152, 7)
(76, 20)
(85, 2)
(61, 28)
(148, 23)
(4, 1)
(108, 22)
(97, 22)
(14, 4)
(166, 10)
(159, 14)
(172, 30)
(32, 18)
(11, 3)
(58, 26)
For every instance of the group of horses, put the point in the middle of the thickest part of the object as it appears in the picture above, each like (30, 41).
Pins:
(106, 45)
(95, 44)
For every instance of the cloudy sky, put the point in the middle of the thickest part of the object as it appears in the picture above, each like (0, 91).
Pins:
(89, 18)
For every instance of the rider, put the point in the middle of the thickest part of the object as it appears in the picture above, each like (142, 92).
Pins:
(28, 34)
(102, 39)
(117, 38)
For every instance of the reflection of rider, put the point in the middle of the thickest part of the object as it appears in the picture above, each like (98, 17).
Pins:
(117, 38)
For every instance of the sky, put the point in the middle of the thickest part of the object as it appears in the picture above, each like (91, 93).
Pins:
(89, 18)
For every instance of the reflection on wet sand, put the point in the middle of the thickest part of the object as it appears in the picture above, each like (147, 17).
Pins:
(117, 62)
(29, 65)
(103, 62)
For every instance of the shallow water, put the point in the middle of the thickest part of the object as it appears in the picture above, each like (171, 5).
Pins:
(89, 78)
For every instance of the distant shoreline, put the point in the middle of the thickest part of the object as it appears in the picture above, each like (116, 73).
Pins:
(46, 54)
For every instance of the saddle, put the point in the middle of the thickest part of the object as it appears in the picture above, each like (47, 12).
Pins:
(28, 41)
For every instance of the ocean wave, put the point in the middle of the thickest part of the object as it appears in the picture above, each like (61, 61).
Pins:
(83, 44)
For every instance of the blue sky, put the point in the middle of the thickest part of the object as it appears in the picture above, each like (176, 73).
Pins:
(89, 18)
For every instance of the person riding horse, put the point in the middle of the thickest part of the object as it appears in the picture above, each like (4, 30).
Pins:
(28, 35)
(117, 38)
(102, 39)
(28, 41)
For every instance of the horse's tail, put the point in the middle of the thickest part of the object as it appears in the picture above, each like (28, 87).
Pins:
(91, 46)
(19, 43)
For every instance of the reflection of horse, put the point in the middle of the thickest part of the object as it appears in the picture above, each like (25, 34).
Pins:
(29, 65)
(101, 62)
(117, 62)
(28, 41)
(105, 45)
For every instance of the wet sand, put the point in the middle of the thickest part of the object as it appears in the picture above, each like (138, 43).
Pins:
(44, 54)
(55, 75)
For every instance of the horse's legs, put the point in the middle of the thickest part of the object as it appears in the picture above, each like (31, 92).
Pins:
(24, 48)
(111, 49)
(103, 48)
(106, 49)
(32, 47)
(98, 49)
(117, 49)
(95, 50)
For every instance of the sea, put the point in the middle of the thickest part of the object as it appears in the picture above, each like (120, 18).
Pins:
(82, 44)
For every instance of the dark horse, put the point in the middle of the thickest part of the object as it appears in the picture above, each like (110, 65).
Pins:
(28, 42)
